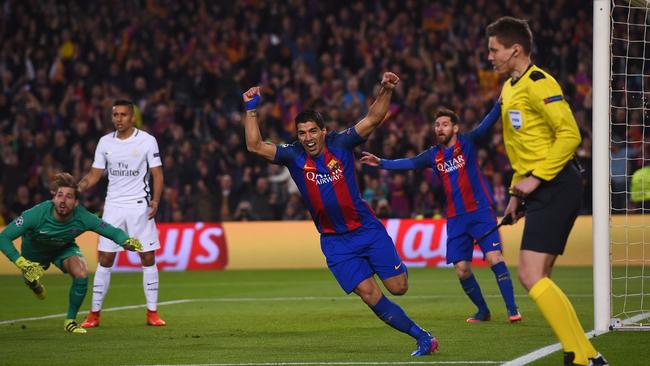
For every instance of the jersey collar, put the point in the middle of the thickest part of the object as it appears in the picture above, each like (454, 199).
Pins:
(514, 81)
(134, 134)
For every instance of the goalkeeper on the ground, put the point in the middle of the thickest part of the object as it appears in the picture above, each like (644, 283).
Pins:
(48, 231)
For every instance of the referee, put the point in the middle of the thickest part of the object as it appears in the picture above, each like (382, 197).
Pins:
(541, 137)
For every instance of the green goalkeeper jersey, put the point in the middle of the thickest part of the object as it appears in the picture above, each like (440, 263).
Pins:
(43, 234)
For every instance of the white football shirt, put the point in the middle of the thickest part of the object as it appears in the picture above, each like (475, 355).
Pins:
(127, 163)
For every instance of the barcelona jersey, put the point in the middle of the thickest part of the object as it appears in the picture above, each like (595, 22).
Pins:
(465, 186)
(328, 182)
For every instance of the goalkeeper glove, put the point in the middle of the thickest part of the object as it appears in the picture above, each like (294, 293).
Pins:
(32, 271)
(133, 244)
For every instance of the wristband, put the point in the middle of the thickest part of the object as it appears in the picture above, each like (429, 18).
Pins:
(253, 103)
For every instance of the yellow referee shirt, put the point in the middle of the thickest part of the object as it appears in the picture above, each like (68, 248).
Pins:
(539, 130)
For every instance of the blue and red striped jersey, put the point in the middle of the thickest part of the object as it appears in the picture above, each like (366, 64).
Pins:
(328, 182)
(457, 167)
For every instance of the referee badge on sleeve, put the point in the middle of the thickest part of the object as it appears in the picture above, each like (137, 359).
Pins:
(516, 119)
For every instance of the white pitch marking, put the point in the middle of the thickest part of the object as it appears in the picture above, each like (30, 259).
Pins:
(239, 299)
(337, 363)
(545, 351)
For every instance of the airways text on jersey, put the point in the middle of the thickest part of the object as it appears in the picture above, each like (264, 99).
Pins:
(448, 166)
(334, 175)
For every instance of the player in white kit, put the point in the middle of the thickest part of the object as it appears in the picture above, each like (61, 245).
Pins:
(129, 156)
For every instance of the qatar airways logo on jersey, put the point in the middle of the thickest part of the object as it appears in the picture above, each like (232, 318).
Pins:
(123, 170)
(335, 174)
(451, 165)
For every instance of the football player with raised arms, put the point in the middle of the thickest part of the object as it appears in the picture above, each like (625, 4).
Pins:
(469, 205)
(354, 242)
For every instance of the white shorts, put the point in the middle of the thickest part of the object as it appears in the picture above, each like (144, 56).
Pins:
(134, 221)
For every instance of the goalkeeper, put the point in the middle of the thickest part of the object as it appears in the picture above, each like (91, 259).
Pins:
(48, 232)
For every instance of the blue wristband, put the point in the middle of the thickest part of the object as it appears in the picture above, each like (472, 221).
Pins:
(253, 103)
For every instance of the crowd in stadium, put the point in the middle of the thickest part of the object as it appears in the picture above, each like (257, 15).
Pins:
(186, 65)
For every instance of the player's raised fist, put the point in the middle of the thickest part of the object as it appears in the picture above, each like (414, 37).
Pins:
(389, 80)
(251, 93)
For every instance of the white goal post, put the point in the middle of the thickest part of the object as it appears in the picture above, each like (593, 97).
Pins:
(600, 161)
(621, 220)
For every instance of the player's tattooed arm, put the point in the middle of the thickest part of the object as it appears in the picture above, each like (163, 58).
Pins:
(378, 110)
(254, 142)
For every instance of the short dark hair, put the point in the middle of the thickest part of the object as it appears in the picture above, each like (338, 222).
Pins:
(310, 115)
(510, 30)
(446, 112)
(64, 180)
(125, 102)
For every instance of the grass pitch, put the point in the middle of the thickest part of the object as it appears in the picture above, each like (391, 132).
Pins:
(287, 317)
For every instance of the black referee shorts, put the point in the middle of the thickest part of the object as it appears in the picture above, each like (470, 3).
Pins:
(551, 211)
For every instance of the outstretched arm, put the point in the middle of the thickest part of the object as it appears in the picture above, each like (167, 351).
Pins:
(254, 141)
(423, 160)
(488, 121)
(32, 271)
(378, 109)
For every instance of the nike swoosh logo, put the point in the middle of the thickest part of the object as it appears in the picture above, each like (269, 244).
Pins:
(151, 283)
(495, 244)
(397, 266)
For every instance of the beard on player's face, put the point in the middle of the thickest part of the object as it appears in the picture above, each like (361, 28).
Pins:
(65, 200)
(444, 138)
(444, 130)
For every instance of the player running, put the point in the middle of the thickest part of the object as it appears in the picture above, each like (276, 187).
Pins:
(129, 155)
(469, 211)
(354, 242)
(48, 232)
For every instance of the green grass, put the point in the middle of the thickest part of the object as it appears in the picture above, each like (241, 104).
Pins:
(287, 316)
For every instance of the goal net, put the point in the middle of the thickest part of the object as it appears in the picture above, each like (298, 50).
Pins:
(629, 164)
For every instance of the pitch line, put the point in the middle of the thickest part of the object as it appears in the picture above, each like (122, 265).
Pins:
(128, 307)
(545, 351)
(338, 363)
(239, 299)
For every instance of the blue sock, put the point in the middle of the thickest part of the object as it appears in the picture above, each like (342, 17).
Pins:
(505, 285)
(394, 316)
(473, 291)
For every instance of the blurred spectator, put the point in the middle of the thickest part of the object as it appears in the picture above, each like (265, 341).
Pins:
(424, 201)
(22, 203)
(500, 193)
(186, 73)
(621, 173)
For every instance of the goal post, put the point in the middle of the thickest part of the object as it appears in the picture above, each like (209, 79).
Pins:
(600, 168)
(621, 147)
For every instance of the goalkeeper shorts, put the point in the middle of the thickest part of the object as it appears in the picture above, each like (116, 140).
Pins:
(551, 211)
(57, 256)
